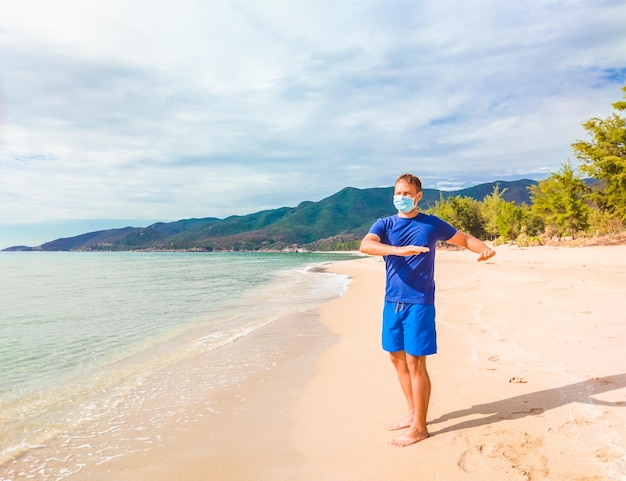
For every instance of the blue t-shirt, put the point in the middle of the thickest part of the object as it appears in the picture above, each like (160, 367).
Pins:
(411, 279)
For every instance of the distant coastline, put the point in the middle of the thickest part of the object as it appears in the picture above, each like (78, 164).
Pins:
(336, 223)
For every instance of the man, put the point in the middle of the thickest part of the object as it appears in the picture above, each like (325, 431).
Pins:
(408, 241)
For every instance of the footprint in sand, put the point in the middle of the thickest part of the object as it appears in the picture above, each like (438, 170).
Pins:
(503, 452)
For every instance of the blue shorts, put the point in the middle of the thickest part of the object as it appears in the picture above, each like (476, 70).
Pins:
(409, 328)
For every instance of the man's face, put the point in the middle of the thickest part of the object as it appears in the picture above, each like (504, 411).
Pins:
(406, 190)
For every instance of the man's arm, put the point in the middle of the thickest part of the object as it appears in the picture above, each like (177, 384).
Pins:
(462, 239)
(371, 245)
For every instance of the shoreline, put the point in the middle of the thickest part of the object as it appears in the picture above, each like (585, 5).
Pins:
(527, 383)
(187, 430)
(116, 417)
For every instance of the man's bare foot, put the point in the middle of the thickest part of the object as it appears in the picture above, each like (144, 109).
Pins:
(403, 423)
(408, 439)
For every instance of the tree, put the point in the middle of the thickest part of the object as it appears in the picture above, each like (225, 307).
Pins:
(510, 221)
(507, 220)
(604, 157)
(464, 213)
(559, 200)
(491, 207)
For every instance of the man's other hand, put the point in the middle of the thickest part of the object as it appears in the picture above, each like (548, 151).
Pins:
(411, 250)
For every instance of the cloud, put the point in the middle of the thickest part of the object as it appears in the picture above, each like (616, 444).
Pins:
(163, 110)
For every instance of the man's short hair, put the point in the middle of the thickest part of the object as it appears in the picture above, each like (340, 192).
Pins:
(411, 179)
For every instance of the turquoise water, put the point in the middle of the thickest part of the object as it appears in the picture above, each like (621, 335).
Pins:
(76, 326)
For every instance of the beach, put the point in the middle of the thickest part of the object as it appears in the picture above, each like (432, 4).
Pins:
(529, 383)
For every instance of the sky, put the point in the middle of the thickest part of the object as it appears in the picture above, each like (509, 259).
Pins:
(128, 112)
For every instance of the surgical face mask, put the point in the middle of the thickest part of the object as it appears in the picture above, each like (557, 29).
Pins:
(403, 204)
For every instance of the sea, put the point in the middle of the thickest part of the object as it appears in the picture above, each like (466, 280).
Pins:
(81, 332)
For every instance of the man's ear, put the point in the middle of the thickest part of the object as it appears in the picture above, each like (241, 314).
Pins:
(418, 197)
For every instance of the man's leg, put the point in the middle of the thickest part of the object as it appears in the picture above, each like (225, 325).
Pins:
(420, 394)
(398, 359)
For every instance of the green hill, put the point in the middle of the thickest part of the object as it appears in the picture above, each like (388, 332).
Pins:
(334, 223)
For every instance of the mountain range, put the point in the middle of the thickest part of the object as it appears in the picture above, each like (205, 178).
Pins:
(337, 222)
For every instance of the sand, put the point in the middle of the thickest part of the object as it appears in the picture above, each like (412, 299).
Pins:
(529, 383)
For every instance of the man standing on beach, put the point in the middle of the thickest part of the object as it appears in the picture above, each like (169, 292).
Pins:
(407, 241)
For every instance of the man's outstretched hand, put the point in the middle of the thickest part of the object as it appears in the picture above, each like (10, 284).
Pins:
(486, 254)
